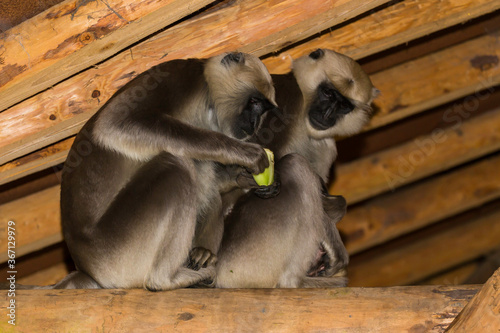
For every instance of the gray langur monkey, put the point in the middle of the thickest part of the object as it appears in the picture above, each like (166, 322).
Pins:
(273, 243)
(326, 95)
(146, 189)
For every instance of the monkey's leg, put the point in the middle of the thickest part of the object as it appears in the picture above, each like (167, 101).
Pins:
(145, 236)
(324, 282)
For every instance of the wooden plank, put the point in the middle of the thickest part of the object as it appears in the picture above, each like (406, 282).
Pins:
(75, 35)
(46, 277)
(419, 158)
(37, 161)
(392, 25)
(455, 276)
(50, 116)
(482, 313)
(413, 261)
(398, 309)
(386, 217)
(436, 79)
(37, 218)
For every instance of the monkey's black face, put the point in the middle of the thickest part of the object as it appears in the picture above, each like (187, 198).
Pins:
(328, 107)
(250, 117)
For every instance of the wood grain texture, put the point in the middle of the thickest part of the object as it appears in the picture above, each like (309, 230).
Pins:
(36, 161)
(38, 222)
(452, 277)
(392, 25)
(437, 78)
(398, 309)
(386, 217)
(50, 116)
(482, 313)
(419, 158)
(46, 277)
(429, 255)
(75, 35)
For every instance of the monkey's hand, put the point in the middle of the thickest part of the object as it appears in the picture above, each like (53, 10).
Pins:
(200, 257)
(254, 158)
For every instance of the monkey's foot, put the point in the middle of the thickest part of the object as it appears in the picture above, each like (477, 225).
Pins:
(320, 264)
(201, 257)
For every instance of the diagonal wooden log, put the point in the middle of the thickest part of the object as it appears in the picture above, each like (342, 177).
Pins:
(420, 258)
(439, 78)
(482, 313)
(62, 110)
(397, 309)
(74, 35)
(419, 158)
(393, 25)
(386, 217)
(37, 222)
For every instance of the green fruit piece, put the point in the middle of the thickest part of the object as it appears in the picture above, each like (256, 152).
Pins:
(266, 178)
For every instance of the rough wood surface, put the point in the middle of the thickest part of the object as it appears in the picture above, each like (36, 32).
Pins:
(397, 309)
(405, 210)
(421, 258)
(36, 161)
(438, 78)
(419, 158)
(236, 25)
(392, 25)
(38, 222)
(75, 35)
(482, 313)
(46, 276)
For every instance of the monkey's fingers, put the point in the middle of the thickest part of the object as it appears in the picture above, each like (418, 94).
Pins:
(200, 257)
(245, 180)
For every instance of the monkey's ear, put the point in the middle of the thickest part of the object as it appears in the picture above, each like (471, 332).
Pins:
(317, 54)
(335, 206)
(233, 57)
(375, 93)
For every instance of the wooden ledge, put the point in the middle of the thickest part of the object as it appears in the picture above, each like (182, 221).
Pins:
(395, 309)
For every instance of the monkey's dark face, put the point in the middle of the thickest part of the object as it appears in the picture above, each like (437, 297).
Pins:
(328, 107)
(337, 93)
(241, 91)
(250, 118)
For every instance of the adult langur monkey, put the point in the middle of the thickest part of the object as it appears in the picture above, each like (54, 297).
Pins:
(326, 95)
(273, 243)
(142, 174)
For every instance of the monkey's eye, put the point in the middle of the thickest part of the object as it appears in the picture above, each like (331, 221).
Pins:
(327, 92)
(235, 57)
(317, 54)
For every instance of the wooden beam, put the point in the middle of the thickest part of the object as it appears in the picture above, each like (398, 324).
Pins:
(38, 222)
(482, 313)
(415, 260)
(74, 35)
(389, 26)
(398, 309)
(61, 111)
(47, 276)
(386, 217)
(39, 160)
(419, 158)
(452, 277)
(438, 78)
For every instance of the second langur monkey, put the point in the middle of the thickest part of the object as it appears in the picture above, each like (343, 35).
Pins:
(147, 178)
(326, 95)
(273, 243)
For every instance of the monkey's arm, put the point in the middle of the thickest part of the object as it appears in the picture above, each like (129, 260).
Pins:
(141, 135)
